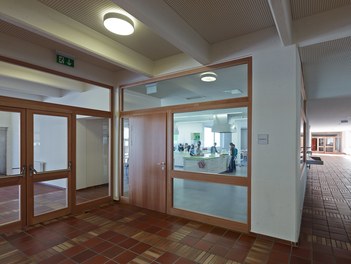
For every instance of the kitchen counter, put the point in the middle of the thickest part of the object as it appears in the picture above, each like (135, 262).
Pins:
(206, 163)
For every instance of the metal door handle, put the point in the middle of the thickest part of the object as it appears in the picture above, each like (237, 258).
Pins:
(32, 170)
(162, 164)
(23, 170)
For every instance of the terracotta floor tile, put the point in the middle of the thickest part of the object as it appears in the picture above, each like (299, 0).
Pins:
(279, 257)
(83, 256)
(96, 260)
(237, 253)
(102, 246)
(140, 248)
(112, 252)
(129, 242)
(167, 258)
(125, 257)
(203, 245)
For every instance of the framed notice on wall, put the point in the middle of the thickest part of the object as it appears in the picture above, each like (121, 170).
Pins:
(195, 136)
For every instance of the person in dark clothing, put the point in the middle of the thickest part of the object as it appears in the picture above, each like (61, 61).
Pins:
(233, 154)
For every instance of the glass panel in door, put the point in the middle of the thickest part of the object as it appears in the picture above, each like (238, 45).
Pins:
(49, 165)
(11, 162)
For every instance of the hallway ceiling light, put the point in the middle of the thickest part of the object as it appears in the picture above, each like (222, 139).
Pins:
(118, 24)
(208, 77)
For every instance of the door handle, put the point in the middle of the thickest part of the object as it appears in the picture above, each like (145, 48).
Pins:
(23, 171)
(32, 170)
(162, 164)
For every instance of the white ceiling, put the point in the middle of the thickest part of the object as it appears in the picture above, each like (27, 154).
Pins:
(164, 28)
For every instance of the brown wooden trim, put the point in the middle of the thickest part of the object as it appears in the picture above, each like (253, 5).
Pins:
(42, 106)
(11, 227)
(11, 180)
(249, 141)
(189, 72)
(220, 104)
(49, 215)
(51, 71)
(214, 178)
(169, 161)
(89, 205)
(73, 179)
(112, 147)
(224, 223)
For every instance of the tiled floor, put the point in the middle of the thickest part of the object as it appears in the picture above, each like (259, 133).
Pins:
(126, 234)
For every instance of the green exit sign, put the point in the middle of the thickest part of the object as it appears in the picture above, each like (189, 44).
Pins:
(60, 59)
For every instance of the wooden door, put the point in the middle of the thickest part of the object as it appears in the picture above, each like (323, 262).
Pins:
(314, 144)
(147, 167)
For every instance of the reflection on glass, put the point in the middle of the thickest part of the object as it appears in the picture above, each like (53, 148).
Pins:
(50, 143)
(330, 141)
(50, 196)
(231, 82)
(53, 88)
(202, 140)
(10, 204)
(220, 200)
(126, 136)
(10, 143)
(321, 142)
(93, 162)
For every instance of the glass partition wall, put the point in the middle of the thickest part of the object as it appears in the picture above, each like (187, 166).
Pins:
(55, 144)
(207, 147)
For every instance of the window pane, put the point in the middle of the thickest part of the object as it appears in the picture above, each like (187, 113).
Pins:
(202, 141)
(93, 162)
(50, 196)
(230, 82)
(10, 204)
(126, 142)
(50, 143)
(221, 200)
(10, 143)
(35, 85)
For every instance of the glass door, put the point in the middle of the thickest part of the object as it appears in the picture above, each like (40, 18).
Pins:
(12, 167)
(49, 163)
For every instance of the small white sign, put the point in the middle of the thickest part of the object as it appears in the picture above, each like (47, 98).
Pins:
(263, 139)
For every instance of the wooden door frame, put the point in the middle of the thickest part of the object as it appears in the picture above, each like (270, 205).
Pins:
(51, 175)
(18, 180)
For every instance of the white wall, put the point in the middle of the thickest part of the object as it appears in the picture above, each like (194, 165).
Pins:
(11, 121)
(346, 142)
(273, 202)
(185, 130)
(91, 165)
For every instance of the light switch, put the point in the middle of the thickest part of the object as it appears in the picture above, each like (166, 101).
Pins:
(262, 139)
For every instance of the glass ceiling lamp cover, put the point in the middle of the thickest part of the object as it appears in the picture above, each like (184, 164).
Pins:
(118, 24)
(208, 77)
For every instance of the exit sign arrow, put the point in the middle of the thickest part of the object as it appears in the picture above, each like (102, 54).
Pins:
(60, 59)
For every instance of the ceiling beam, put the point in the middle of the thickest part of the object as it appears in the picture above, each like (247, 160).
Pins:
(326, 26)
(28, 14)
(281, 13)
(165, 22)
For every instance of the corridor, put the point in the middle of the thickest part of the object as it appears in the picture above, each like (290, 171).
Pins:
(127, 234)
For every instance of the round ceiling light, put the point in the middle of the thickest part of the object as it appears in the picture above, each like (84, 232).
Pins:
(118, 24)
(208, 77)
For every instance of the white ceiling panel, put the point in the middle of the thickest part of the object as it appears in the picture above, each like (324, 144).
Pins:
(304, 8)
(221, 20)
